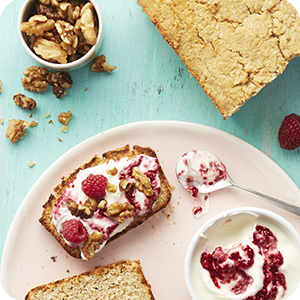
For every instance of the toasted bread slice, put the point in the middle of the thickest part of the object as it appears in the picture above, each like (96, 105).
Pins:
(121, 280)
(232, 47)
(161, 202)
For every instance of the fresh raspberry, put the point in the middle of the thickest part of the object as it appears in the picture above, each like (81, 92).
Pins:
(289, 132)
(74, 231)
(94, 186)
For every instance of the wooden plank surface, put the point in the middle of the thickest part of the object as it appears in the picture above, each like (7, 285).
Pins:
(150, 83)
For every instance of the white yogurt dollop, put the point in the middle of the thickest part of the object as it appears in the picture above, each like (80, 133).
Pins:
(199, 169)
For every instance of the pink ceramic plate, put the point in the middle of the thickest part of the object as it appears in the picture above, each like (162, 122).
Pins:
(32, 257)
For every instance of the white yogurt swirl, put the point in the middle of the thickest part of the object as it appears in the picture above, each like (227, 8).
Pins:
(237, 230)
(147, 165)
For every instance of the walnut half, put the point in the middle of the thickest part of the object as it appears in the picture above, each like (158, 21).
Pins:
(83, 211)
(65, 117)
(16, 129)
(100, 64)
(143, 183)
(92, 244)
(120, 211)
(35, 80)
(24, 102)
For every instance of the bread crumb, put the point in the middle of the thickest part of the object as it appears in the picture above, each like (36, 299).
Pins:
(154, 227)
(31, 163)
(47, 115)
(1, 121)
(50, 122)
(53, 258)
(60, 140)
(85, 89)
(0, 86)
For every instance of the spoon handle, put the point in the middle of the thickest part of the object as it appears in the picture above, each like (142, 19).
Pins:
(286, 206)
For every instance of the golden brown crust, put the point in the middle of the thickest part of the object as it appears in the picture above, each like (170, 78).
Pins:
(116, 154)
(95, 284)
(232, 47)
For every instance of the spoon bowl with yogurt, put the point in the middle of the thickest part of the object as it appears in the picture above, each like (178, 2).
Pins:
(201, 172)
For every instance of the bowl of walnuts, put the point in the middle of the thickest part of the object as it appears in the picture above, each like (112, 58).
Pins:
(61, 35)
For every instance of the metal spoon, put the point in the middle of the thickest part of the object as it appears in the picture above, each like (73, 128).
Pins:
(200, 171)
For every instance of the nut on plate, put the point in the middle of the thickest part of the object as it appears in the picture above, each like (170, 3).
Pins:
(100, 64)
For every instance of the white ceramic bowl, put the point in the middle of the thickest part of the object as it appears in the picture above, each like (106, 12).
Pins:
(229, 226)
(27, 11)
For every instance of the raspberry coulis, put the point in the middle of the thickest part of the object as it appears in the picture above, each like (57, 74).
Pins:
(150, 169)
(230, 265)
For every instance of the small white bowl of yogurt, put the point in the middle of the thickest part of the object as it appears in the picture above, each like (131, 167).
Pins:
(244, 254)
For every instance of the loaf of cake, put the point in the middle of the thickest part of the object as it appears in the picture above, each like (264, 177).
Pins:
(105, 198)
(121, 280)
(233, 48)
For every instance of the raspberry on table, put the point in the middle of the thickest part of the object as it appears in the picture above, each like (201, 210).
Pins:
(94, 186)
(289, 132)
(74, 231)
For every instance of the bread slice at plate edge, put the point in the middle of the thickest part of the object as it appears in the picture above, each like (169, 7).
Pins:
(116, 154)
(124, 278)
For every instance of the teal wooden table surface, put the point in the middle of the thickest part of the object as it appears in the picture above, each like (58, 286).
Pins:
(150, 83)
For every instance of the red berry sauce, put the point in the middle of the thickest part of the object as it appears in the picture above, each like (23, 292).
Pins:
(227, 265)
(152, 170)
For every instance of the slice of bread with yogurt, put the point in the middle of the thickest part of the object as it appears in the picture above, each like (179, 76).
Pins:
(136, 189)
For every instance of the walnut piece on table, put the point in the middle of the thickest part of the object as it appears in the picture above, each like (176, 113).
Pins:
(24, 102)
(35, 80)
(65, 117)
(31, 163)
(58, 91)
(16, 130)
(100, 64)
(60, 81)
